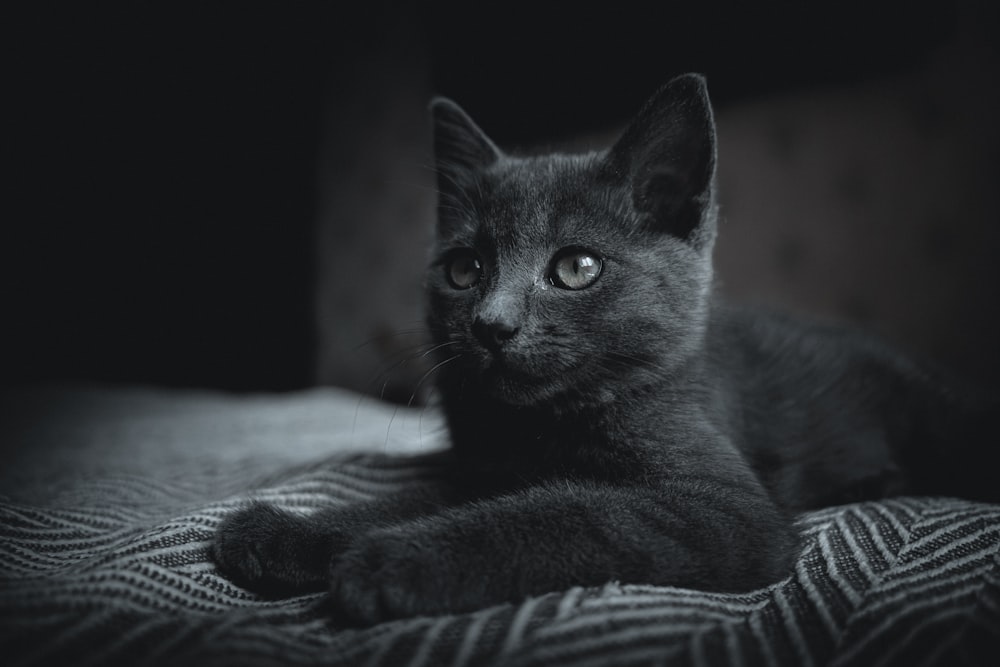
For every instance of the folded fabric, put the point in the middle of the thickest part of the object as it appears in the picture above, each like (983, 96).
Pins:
(109, 497)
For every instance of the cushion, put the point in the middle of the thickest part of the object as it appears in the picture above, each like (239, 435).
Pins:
(109, 497)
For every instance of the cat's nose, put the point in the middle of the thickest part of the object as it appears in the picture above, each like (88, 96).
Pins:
(493, 334)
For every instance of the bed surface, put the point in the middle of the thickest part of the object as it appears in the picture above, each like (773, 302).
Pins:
(109, 495)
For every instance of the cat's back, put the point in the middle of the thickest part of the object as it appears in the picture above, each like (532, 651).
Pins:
(772, 350)
(814, 406)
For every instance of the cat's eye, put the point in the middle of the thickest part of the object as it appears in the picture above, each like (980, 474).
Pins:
(575, 268)
(463, 269)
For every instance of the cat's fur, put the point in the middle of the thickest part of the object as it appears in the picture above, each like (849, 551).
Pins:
(635, 429)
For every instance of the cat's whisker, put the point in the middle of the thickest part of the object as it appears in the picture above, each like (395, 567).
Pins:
(434, 393)
(433, 368)
(386, 375)
(413, 396)
(379, 382)
(398, 360)
(395, 361)
(421, 328)
(438, 347)
(401, 355)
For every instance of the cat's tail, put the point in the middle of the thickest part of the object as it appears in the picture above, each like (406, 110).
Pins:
(954, 443)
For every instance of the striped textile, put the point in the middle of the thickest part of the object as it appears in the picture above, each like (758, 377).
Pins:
(108, 497)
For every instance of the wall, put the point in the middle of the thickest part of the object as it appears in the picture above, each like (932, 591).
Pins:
(235, 194)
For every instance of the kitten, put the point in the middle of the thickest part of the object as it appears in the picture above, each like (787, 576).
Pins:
(609, 418)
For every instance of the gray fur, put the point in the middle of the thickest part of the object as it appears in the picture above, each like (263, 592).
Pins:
(636, 429)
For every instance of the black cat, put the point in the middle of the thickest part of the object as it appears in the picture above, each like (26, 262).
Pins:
(609, 418)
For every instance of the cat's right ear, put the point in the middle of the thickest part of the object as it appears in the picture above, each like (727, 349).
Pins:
(667, 156)
(459, 145)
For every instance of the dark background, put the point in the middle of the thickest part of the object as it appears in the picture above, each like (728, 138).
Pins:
(162, 181)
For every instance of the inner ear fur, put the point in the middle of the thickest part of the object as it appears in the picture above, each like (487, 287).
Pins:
(667, 157)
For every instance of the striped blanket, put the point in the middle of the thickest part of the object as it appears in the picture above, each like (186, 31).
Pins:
(108, 497)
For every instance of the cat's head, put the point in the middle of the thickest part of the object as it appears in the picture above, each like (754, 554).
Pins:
(561, 277)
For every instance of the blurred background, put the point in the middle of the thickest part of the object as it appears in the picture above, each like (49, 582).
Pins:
(236, 195)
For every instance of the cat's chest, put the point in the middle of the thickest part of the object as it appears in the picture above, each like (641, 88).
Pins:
(505, 448)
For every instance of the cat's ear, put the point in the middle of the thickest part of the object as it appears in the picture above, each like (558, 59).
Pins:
(459, 145)
(667, 158)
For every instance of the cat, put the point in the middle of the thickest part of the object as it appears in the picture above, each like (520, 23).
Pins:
(610, 418)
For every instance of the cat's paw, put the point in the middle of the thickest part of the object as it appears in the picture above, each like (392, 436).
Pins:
(395, 573)
(269, 551)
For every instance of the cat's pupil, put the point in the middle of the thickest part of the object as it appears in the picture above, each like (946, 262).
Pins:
(576, 269)
(464, 270)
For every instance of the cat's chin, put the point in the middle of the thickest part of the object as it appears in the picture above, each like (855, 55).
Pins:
(520, 395)
(559, 388)
(522, 383)
(519, 388)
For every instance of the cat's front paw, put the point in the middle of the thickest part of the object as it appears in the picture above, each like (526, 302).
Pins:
(398, 573)
(269, 551)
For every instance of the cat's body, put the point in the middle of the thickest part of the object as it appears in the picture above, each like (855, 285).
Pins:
(609, 418)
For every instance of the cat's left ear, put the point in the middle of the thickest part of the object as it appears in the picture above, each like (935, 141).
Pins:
(667, 158)
(459, 145)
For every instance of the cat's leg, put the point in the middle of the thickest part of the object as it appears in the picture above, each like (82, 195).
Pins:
(694, 533)
(276, 552)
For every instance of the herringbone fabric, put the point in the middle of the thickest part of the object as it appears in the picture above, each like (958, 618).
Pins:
(110, 496)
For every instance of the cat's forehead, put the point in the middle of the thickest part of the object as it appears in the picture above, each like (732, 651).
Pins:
(536, 200)
(543, 179)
